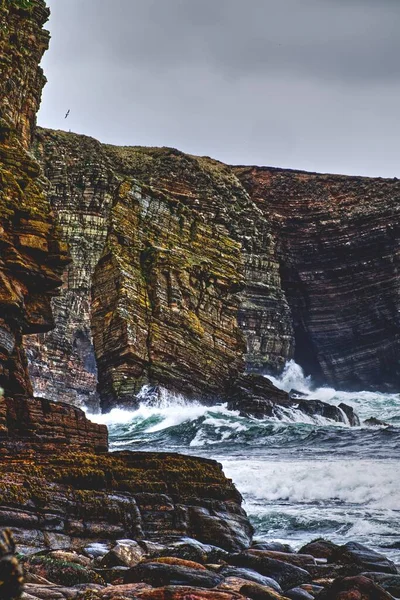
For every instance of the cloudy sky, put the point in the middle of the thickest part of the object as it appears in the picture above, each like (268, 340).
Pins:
(308, 84)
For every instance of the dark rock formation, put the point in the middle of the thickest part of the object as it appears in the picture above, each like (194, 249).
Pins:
(255, 396)
(350, 588)
(287, 575)
(337, 240)
(367, 559)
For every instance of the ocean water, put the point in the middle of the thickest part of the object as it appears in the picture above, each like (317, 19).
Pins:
(301, 478)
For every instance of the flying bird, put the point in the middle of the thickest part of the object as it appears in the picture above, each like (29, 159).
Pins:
(67, 115)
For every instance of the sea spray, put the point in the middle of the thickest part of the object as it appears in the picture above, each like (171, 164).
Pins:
(301, 476)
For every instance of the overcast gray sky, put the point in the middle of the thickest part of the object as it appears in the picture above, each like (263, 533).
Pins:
(308, 84)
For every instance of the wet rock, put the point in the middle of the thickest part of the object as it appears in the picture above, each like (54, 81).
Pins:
(299, 593)
(127, 553)
(250, 575)
(180, 562)
(190, 549)
(158, 575)
(67, 556)
(319, 548)
(274, 546)
(364, 557)
(255, 396)
(287, 575)
(353, 418)
(390, 583)
(256, 591)
(299, 560)
(62, 572)
(311, 588)
(354, 588)
(129, 591)
(112, 574)
(374, 422)
(186, 593)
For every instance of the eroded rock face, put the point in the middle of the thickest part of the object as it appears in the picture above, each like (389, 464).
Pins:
(158, 236)
(66, 500)
(189, 259)
(81, 188)
(32, 257)
(337, 244)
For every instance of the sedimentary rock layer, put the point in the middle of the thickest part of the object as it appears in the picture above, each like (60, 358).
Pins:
(338, 246)
(31, 255)
(67, 500)
(172, 284)
(81, 189)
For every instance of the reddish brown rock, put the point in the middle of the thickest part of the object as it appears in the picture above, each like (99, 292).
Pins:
(354, 588)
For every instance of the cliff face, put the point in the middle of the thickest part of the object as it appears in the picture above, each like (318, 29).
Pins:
(62, 362)
(183, 251)
(189, 259)
(338, 247)
(32, 256)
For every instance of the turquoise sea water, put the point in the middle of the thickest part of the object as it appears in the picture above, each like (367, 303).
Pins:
(301, 478)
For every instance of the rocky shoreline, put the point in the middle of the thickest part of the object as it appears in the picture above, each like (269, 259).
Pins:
(175, 568)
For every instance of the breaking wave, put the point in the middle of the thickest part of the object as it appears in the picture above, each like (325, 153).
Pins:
(301, 477)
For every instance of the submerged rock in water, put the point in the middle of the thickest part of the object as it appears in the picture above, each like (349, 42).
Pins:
(374, 422)
(255, 396)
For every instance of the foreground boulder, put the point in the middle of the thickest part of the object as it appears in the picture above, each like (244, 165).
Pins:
(161, 574)
(320, 548)
(363, 557)
(287, 575)
(354, 588)
(72, 499)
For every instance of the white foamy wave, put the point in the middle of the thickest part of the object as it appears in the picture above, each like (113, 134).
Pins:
(291, 415)
(363, 482)
(383, 406)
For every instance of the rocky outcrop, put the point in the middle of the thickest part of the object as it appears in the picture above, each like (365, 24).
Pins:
(337, 242)
(165, 299)
(31, 256)
(157, 235)
(255, 396)
(72, 499)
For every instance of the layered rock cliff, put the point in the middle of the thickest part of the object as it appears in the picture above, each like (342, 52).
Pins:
(338, 247)
(186, 257)
(189, 259)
